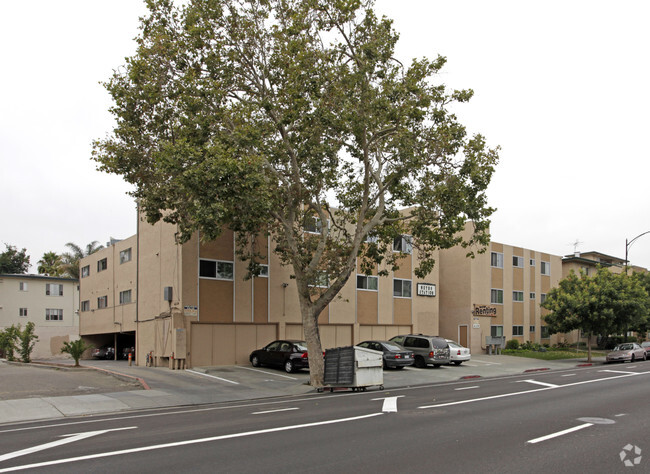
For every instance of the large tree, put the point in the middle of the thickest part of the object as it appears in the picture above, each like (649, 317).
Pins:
(603, 304)
(51, 264)
(276, 116)
(14, 261)
(76, 253)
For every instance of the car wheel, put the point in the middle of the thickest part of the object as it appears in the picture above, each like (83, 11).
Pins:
(458, 362)
(420, 363)
(288, 366)
(255, 361)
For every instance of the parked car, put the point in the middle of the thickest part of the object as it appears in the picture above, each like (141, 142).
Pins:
(128, 350)
(646, 348)
(457, 353)
(395, 356)
(626, 351)
(104, 352)
(428, 349)
(288, 354)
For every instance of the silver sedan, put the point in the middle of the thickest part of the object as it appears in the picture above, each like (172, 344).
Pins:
(627, 351)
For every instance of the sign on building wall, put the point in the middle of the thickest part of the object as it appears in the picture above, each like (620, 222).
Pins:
(191, 310)
(485, 310)
(426, 289)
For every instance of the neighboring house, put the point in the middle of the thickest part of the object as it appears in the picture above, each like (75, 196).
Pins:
(51, 303)
(497, 293)
(191, 302)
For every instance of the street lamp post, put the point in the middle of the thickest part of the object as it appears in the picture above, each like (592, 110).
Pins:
(629, 244)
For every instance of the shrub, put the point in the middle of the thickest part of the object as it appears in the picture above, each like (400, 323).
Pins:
(8, 339)
(512, 344)
(75, 349)
(27, 340)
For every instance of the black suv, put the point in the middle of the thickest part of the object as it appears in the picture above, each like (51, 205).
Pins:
(428, 349)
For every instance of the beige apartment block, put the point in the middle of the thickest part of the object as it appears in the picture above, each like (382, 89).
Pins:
(51, 303)
(191, 305)
(497, 293)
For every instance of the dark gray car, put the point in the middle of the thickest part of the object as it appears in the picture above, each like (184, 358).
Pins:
(429, 350)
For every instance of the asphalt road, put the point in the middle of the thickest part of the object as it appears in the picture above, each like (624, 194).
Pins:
(581, 420)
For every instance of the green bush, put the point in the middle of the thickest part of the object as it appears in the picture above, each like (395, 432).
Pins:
(512, 344)
(8, 339)
(27, 340)
(75, 349)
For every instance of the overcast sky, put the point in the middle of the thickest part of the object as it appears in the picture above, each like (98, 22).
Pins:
(561, 86)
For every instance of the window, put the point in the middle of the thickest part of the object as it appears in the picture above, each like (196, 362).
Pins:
(53, 315)
(545, 332)
(125, 296)
(85, 305)
(532, 262)
(496, 259)
(518, 262)
(264, 270)
(517, 330)
(496, 296)
(402, 288)
(532, 329)
(542, 298)
(403, 244)
(216, 269)
(102, 265)
(22, 286)
(371, 239)
(517, 296)
(53, 289)
(313, 225)
(366, 282)
(532, 295)
(22, 312)
(85, 271)
(102, 302)
(496, 331)
(125, 256)
(585, 270)
(546, 268)
(321, 280)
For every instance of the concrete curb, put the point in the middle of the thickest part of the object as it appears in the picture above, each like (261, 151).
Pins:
(57, 366)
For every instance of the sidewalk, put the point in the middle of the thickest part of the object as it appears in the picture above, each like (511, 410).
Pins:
(103, 387)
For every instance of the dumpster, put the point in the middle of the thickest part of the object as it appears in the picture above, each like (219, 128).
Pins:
(353, 367)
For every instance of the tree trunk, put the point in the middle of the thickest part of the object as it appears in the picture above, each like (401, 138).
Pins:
(312, 338)
(588, 347)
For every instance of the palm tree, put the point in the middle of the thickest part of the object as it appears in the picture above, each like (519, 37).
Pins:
(71, 259)
(51, 264)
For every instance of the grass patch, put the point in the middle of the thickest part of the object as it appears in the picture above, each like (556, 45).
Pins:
(550, 354)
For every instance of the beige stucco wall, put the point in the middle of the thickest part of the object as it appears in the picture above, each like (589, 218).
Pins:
(51, 334)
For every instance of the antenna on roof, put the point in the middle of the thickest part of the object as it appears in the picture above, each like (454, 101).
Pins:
(575, 246)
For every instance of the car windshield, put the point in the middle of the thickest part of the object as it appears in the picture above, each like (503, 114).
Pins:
(623, 347)
(439, 343)
(454, 345)
(645, 344)
(301, 346)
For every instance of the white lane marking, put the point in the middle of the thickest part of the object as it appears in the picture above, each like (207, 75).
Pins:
(617, 371)
(568, 375)
(537, 382)
(504, 395)
(486, 363)
(559, 433)
(267, 373)
(467, 388)
(390, 404)
(71, 438)
(274, 411)
(185, 443)
(212, 376)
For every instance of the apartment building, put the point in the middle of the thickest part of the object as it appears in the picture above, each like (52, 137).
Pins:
(190, 302)
(51, 303)
(497, 293)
